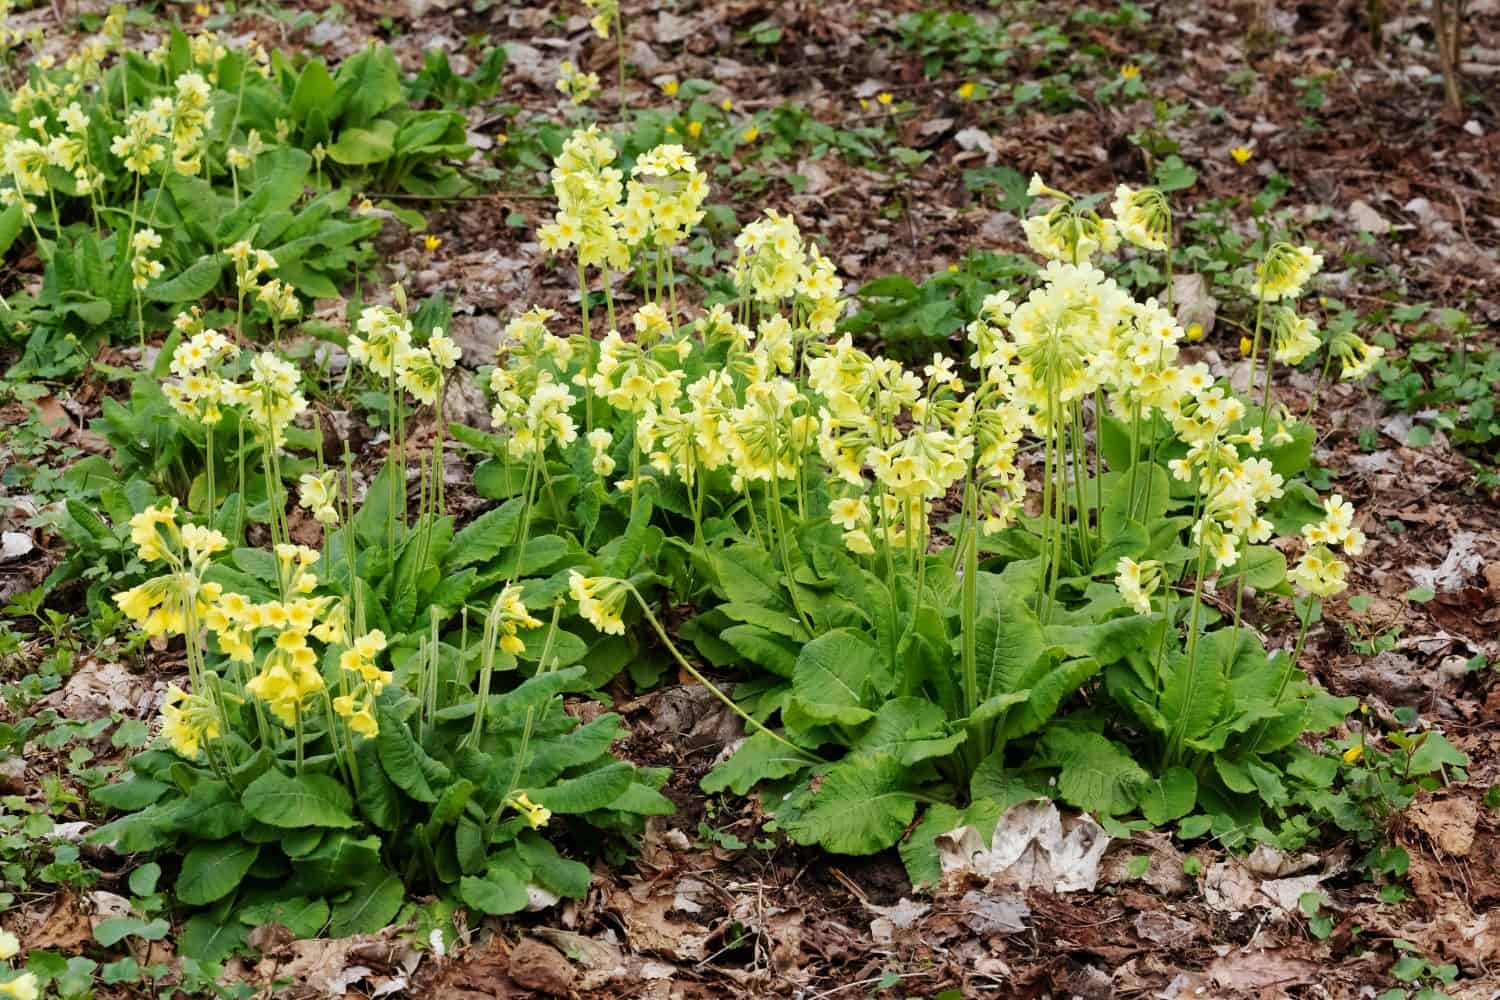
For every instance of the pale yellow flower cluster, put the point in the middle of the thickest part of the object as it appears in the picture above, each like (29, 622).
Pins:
(165, 604)
(1143, 217)
(588, 191)
(1067, 231)
(531, 402)
(144, 270)
(202, 391)
(1319, 571)
(664, 198)
(384, 346)
(1284, 272)
(601, 601)
(1137, 582)
(319, 495)
(578, 86)
(606, 12)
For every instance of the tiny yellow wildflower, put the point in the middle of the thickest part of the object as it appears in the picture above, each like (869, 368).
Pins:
(1130, 71)
(431, 242)
(1241, 154)
(1354, 753)
(695, 129)
(202, 9)
(885, 97)
(1246, 345)
(966, 92)
(727, 104)
(750, 134)
(670, 88)
(1195, 332)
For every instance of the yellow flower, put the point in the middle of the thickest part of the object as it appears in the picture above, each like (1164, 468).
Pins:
(363, 723)
(24, 987)
(966, 91)
(727, 104)
(536, 816)
(431, 242)
(1130, 71)
(695, 129)
(1195, 332)
(202, 9)
(1241, 154)
(600, 601)
(750, 134)
(669, 88)
(1246, 344)
(1354, 753)
(885, 97)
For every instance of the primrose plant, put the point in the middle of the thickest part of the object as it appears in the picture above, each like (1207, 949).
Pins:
(927, 627)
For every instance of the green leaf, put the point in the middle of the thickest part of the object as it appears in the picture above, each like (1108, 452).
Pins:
(1262, 566)
(762, 648)
(834, 676)
(197, 280)
(368, 83)
(483, 538)
(130, 795)
(311, 800)
(1435, 752)
(111, 931)
(341, 861)
(759, 758)
(1047, 692)
(919, 851)
(402, 758)
(11, 224)
(361, 147)
(303, 916)
(379, 801)
(862, 806)
(372, 907)
(1170, 796)
(1094, 773)
(586, 792)
(1174, 175)
(911, 730)
(315, 92)
(1195, 691)
(211, 936)
(551, 870)
(1008, 639)
(212, 870)
(500, 892)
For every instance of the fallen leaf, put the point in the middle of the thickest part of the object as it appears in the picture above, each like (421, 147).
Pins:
(1267, 973)
(601, 961)
(1449, 822)
(995, 914)
(1031, 847)
(541, 967)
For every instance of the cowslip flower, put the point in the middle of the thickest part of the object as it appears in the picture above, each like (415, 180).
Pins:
(23, 987)
(577, 86)
(1143, 216)
(1067, 231)
(1137, 581)
(601, 601)
(1284, 272)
